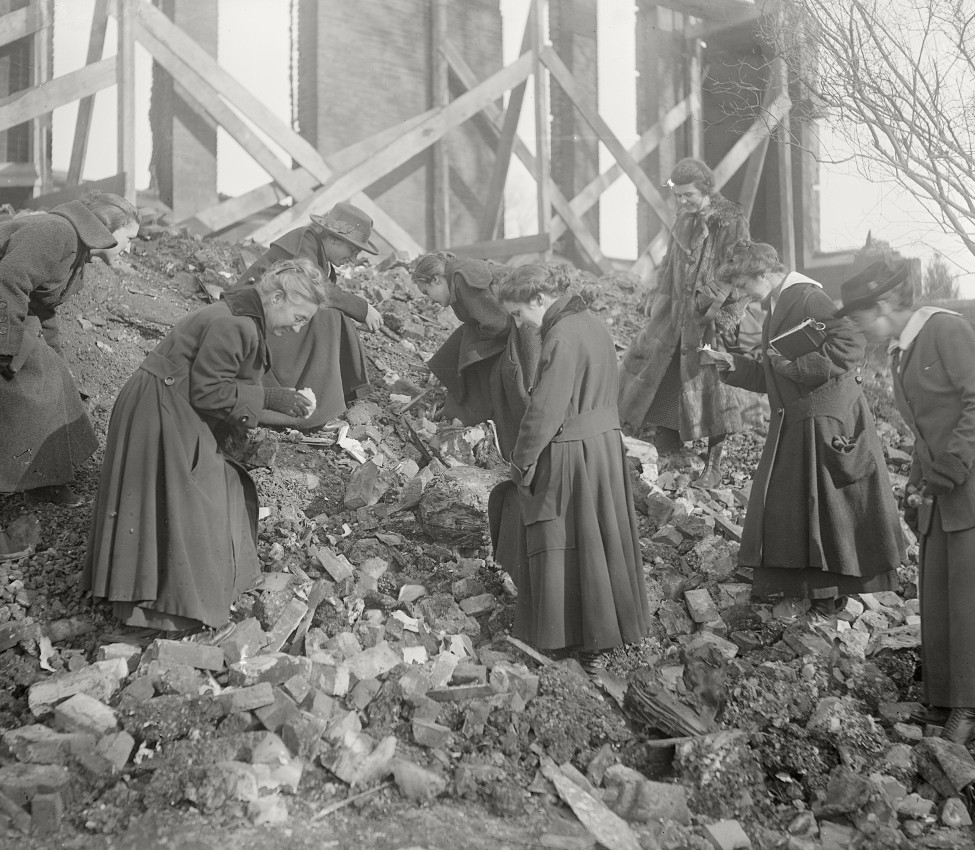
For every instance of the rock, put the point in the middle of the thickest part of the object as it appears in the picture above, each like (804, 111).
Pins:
(111, 753)
(835, 836)
(915, 806)
(245, 640)
(37, 744)
(636, 798)
(99, 680)
(47, 813)
(715, 557)
(22, 782)
(659, 509)
(673, 617)
(954, 814)
(476, 605)
(365, 486)
(374, 662)
(128, 652)
(669, 536)
(12, 814)
(274, 668)
(286, 623)
(171, 653)
(846, 793)
(431, 735)
(247, 698)
(82, 713)
(361, 761)
(727, 835)
(701, 606)
(337, 566)
(725, 648)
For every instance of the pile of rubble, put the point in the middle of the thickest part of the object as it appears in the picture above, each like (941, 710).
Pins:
(375, 660)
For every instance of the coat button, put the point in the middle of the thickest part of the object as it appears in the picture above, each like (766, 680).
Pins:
(243, 418)
(169, 381)
(780, 411)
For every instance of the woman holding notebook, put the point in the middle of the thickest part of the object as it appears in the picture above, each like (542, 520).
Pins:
(822, 521)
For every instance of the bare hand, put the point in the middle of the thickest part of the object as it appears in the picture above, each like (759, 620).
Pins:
(720, 359)
(374, 319)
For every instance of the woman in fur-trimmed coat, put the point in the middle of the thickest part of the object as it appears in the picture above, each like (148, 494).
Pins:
(822, 520)
(582, 587)
(661, 379)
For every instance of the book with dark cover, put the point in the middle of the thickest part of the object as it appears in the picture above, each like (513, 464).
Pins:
(804, 338)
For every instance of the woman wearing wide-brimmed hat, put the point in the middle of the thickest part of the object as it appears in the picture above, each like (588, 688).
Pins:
(932, 360)
(326, 355)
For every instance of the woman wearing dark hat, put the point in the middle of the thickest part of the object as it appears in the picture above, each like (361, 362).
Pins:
(932, 353)
(45, 433)
(326, 355)
(822, 521)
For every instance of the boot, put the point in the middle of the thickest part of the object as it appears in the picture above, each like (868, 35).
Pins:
(960, 726)
(592, 661)
(711, 477)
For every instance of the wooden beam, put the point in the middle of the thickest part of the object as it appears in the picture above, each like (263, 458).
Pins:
(153, 22)
(753, 177)
(563, 208)
(82, 125)
(418, 140)
(630, 167)
(543, 166)
(43, 70)
(695, 123)
(24, 105)
(594, 189)
(761, 128)
(125, 78)
(536, 244)
(440, 173)
(114, 184)
(21, 23)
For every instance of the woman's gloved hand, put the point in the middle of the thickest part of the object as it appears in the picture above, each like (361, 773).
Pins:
(288, 401)
(947, 472)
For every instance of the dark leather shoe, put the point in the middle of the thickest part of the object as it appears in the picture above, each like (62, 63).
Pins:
(960, 726)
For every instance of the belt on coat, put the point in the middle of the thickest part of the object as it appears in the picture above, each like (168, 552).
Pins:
(588, 424)
(836, 394)
(164, 369)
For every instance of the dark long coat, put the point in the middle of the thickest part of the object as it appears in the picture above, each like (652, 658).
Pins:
(583, 586)
(45, 432)
(816, 503)
(175, 526)
(487, 365)
(934, 389)
(691, 308)
(326, 355)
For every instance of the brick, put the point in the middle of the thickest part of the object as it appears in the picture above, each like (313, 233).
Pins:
(731, 594)
(726, 835)
(443, 669)
(139, 690)
(728, 649)
(337, 566)
(477, 605)
(275, 668)
(289, 620)
(111, 753)
(37, 744)
(298, 688)
(322, 705)
(475, 718)
(429, 734)
(128, 652)
(278, 712)
(332, 680)
(374, 662)
(466, 673)
(247, 698)
(461, 692)
(700, 606)
(82, 713)
(363, 692)
(100, 680)
(302, 734)
(245, 640)
(171, 653)
(47, 813)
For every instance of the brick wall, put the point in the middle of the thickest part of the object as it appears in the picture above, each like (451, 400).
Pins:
(364, 66)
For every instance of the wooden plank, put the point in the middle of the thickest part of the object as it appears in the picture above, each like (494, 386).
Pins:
(18, 174)
(114, 184)
(125, 78)
(82, 126)
(440, 173)
(43, 70)
(543, 169)
(233, 210)
(358, 178)
(630, 167)
(21, 23)
(539, 243)
(593, 190)
(153, 22)
(574, 222)
(695, 123)
(205, 101)
(23, 106)
(753, 177)
(751, 139)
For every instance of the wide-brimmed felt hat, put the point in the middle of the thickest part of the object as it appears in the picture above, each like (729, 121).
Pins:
(350, 223)
(866, 286)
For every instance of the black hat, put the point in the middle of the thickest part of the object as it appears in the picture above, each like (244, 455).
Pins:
(866, 286)
(349, 223)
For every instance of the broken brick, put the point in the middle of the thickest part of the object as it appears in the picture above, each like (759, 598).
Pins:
(82, 713)
(170, 653)
(429, 734)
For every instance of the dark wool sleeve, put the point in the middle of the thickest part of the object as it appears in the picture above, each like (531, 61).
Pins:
(215, 389)
(955, 341)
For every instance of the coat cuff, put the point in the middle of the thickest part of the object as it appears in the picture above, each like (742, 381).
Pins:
(250, 403)
(522, 477)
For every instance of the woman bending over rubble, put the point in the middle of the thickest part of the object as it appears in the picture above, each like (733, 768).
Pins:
(821, 521)
(932, 353)
(326, 355)
(488, 364)
(174, 535)
(46, 433)
(583, 585)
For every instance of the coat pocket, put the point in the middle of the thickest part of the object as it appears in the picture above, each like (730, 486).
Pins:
(849, 457)
(543, 498)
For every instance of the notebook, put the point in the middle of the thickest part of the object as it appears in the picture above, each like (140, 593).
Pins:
(804, 338)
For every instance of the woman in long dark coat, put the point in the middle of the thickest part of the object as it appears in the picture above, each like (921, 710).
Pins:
(45, 433)
(174, 535)
(933, 372)
(326, 355)
(662, 382)
(822, 520)
(488, 364)
(583, 587)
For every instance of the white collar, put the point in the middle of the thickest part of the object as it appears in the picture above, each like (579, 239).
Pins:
(913, 327)
(790, 279)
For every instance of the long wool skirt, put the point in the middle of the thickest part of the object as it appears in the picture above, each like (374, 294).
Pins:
(174, 535)
(326, 356)
(45, 432)
(947, 592)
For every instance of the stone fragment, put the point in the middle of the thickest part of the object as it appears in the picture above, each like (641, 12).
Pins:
(364, 691)
(365, 486)
(417, 783)
(374, 662)
(669, 536)
(298, 688)
(82, 713)
(361, 761)
(701, 606)
(476, 605)
(278, 712)
(464, 588)
(47, 813)
(37, 744)
(303, 733)
(954, 814)
(275, 668)
(128, 652)
(245, 640)
(99, 680)
(907, 733)
(804, 642)
(915, 806)
(673, 617)
(21, 782)
(284, 626)
(428, 734)
(726, 648)
(333, 680)
(139, 690)
(460, 692)
(337, 566)
(247, 698)
(836, 836)
(733, 594)
(466, 673)
(727, 835)
(170, 653)
(636, 798)
(475, 719)
(112, 752)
